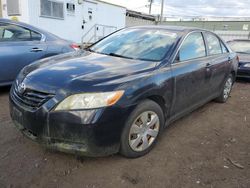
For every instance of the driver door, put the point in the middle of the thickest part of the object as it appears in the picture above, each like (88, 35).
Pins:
(190, 74)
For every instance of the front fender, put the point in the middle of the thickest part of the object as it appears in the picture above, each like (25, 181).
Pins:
(158, 83)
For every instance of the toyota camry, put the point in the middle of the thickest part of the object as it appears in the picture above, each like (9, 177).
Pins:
(120, 93)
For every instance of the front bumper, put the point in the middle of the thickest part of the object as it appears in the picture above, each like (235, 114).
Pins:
(243, 72)
(87, 132)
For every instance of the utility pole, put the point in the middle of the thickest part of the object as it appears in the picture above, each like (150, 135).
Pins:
(150, 5)
(1, 9)
(162, 9)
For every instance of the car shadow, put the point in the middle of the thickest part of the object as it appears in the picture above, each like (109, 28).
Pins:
(243, 80)
(4, 90)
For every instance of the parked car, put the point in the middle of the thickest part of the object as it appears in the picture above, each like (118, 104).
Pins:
(242, 47)
(21, 44)
(120, 94)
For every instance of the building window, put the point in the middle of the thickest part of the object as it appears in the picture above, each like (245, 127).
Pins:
(13, 7)
(71, 7)
(52, 9)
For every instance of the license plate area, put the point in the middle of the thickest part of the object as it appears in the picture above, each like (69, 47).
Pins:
(17, 116)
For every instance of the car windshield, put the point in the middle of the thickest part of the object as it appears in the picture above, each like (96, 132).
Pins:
(240, 46)
(142, 44)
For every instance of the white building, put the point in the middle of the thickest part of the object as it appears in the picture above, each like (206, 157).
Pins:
(69, 19)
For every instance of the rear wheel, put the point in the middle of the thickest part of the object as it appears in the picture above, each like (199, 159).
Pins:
(227, 88)
(142, 129)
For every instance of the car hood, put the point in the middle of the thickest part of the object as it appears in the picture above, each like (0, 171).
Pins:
(244, 58)
(81, 71)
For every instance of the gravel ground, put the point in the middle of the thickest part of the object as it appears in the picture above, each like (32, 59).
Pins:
(208, 148)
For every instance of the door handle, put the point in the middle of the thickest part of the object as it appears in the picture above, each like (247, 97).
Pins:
(230, 59)
(36, 49)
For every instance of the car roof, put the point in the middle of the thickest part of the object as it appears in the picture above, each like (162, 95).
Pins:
(28, 26)
(170, 28)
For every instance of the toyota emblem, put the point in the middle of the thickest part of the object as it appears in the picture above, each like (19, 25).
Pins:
(21, 88)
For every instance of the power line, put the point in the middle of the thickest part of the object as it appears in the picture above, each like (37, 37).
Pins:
(204, 6)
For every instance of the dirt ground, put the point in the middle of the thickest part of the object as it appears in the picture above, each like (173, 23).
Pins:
(208, 148)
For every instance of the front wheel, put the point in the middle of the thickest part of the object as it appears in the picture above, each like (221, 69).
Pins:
(142, 129)
(226, 90)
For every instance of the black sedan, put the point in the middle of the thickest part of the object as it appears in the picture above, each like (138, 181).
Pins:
(119, 95)
(242, 47)
(21, 44)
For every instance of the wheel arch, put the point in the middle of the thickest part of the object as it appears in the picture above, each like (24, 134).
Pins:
(161, 102)
(233, 72)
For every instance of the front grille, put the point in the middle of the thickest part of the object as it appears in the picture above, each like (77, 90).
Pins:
(31, 98)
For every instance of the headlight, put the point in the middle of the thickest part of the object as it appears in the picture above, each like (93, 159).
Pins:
(89, 100)
(247, 65)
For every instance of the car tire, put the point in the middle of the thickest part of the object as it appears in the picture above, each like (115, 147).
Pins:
(227, 88)
(142, 129)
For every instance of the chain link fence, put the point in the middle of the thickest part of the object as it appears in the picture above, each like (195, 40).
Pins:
(228, 30)
(231, 35)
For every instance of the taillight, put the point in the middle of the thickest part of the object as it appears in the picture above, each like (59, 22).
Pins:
(75, 46)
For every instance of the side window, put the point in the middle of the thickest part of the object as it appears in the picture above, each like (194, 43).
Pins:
(36, 36)
(14, 33)
(193, 47)
(224, 48)
(5, 34)
(22, 35)
(213, 43)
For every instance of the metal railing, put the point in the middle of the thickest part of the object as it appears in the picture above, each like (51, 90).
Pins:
(96, 32)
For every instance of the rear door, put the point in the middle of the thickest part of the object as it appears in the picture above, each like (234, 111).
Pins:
(19, 47)
(219, 58)
(190, 76)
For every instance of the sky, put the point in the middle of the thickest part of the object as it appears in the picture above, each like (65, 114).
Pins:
(192, 8)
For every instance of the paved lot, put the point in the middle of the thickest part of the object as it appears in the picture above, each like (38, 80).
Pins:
(208, 148)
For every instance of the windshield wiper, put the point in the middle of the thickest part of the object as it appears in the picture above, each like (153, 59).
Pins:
(117, 55)
(111, 54)
(89, 49)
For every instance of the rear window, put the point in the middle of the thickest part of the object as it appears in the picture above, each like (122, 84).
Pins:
(213, 43)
